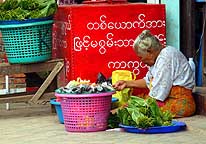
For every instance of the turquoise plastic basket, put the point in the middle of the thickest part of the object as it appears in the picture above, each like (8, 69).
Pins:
(27, 42)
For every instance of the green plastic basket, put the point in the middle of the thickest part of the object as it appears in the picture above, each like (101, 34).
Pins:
(28, 42)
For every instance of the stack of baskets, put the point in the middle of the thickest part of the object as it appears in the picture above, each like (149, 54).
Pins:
(28, 41)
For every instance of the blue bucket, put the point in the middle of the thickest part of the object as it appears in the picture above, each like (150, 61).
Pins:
(114, 99)
(58, 110)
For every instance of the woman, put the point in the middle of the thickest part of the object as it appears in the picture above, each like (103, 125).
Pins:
(170, 78)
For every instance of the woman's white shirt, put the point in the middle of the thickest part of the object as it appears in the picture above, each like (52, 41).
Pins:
(170, 69)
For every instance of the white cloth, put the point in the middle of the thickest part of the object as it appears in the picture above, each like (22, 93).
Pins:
(170, 69)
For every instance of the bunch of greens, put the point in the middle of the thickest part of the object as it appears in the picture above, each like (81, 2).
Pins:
(113, 121)
(27, 9)
(143, 114)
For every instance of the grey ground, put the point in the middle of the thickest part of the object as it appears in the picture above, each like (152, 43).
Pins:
(26, 124)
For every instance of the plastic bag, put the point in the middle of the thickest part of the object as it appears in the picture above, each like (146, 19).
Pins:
(124, 95)
(101, 79)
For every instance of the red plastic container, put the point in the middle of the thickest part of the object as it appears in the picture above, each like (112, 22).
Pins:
(95, 38)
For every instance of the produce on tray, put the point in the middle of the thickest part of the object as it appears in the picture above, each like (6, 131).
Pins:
(141, 113)
(85, 87)
(27, 9)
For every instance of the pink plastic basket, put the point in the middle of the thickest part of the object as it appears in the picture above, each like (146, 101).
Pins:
(85, 112)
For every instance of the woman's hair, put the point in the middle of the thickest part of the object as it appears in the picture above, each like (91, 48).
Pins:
(146, 41)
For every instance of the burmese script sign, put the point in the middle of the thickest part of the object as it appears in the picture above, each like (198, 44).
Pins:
(99, 38)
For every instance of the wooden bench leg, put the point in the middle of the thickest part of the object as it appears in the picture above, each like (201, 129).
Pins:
(46, 83)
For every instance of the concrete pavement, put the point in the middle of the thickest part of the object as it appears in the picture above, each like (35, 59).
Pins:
(26, 124)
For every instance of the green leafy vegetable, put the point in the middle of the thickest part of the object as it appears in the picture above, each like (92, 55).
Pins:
(27, 9)
(9, 5)
(143, 113)
(113, 121)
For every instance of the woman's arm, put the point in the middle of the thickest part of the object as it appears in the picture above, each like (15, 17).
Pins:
(140, 83)
(120, 85)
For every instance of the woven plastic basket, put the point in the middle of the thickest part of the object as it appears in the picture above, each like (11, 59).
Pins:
(85, 112)
(27, 42)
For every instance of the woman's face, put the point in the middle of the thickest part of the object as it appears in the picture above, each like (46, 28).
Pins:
(146, 58)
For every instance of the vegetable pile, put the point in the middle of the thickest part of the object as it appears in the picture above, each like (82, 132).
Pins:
(142, 113)
(27, 9)
(84, 87)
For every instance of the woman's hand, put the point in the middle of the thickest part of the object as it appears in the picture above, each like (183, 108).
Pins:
(120, 85)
